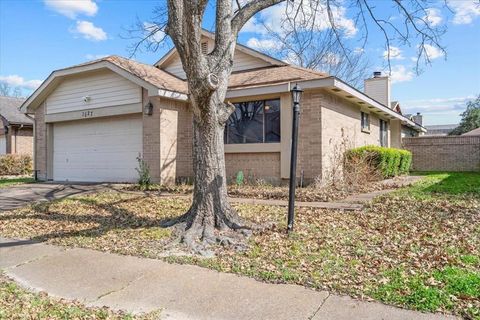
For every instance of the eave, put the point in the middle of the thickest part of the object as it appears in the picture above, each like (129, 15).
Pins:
(336, 87)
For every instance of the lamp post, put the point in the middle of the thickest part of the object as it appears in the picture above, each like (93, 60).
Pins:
(296, 96)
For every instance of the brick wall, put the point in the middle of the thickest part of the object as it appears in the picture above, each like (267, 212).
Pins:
(341, 128)
(41, 143)
(264, 166)
(455, 153)
(22, 141)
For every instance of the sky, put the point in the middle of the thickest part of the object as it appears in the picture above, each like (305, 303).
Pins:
(39, 36)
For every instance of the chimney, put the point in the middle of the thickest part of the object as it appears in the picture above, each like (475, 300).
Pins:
(378, 88)
(418, 118)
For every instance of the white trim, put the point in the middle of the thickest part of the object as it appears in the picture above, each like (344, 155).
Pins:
(56, 76)
(331, 82)
(253, 147)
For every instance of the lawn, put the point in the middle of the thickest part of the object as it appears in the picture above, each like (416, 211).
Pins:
(18, 303)
(6, 182)
(417, 248)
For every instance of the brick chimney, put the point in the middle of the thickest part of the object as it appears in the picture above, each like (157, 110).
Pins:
(418, 118)
(378, 88)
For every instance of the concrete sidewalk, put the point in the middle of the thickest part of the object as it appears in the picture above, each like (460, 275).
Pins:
(181, 291)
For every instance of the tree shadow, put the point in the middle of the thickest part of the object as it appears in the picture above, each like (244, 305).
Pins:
(116, 218)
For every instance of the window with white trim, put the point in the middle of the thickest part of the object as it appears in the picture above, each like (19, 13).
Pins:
(365, 122)
(254, 122)
(383, 133)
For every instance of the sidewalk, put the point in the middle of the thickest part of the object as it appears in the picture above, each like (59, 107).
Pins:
(181, 291)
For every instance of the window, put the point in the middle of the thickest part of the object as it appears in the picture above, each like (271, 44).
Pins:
(254, 122)
(383, 133)
(365, 122)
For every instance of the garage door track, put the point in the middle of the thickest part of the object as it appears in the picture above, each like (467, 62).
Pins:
(21, 195)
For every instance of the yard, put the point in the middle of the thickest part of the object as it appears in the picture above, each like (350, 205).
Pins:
(418, 247)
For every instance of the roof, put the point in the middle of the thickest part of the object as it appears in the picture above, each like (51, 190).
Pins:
(442, 127)
(146, 72)
(474, 132)
(9, 110)
(272, 75)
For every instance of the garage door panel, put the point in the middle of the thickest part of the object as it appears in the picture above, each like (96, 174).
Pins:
(97, 150)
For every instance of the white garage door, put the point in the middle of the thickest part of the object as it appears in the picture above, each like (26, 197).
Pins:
(3, 145)
(97, 150)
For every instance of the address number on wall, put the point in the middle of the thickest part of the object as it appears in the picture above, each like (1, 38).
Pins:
(87, 114)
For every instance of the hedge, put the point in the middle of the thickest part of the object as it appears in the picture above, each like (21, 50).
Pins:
(389, 161)
(13, 165)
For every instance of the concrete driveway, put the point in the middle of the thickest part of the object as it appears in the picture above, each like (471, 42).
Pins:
(21, 195)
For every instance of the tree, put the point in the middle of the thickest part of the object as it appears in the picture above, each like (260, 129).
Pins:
(7, 91)
(470, 118)
(317, 50)
(211, 218)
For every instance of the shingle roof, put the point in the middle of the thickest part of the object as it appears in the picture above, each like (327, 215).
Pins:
(146, 72)
(248, 78)
(474, 132)
(9, 110)
(271, 75)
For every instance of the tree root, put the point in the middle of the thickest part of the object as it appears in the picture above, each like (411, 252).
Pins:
(200, 236)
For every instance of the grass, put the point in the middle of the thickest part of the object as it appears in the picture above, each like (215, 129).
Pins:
(6, 182)
(418, 247)
(18, 303)
(445, 185)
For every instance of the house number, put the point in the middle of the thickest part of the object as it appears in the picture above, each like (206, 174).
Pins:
(86, 114)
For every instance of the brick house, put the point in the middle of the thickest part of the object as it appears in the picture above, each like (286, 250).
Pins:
(93, 120)
(16, 130)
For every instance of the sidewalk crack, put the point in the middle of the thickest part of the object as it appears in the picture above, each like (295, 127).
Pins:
(118, 290)
(320, 307)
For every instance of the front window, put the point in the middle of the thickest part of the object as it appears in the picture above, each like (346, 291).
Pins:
(254, 122)
(383, 133)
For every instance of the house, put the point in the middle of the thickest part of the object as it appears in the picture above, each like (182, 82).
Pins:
(440, 129)
(16, 130)
(93, 120)
(474, 132)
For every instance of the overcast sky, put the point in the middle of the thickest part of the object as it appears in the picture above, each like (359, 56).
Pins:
(37, 37)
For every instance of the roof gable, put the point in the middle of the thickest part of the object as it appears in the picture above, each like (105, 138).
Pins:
(245, 58)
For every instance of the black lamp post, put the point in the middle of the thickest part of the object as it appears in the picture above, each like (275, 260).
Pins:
(296, 96)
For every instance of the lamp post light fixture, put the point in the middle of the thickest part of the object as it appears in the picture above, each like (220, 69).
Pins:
(296, 97)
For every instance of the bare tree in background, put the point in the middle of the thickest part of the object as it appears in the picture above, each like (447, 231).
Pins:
(7, 91)
(319, 51)
(211, 217)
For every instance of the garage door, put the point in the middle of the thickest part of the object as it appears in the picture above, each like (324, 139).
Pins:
(3, 145)
(97, 150)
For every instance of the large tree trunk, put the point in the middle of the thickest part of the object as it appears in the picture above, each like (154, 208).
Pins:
(210, 217)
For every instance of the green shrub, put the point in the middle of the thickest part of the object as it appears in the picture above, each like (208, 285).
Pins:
(15, 164)
(390, 162)
(144, 178)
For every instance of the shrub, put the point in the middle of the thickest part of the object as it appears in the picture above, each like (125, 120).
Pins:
(144, 178)
(389, 162)
(15, 164)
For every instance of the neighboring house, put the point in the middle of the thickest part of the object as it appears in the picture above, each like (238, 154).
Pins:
(474, 132)
(16, 130)
(440, 129)
(93, 120)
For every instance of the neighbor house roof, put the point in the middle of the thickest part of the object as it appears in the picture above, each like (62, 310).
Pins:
(9, 110)
(474, 132)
